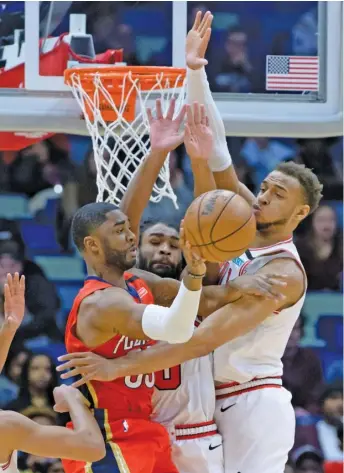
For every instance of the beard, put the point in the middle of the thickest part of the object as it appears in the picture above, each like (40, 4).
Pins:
(266, 226)
(172, 271)
(118, 259)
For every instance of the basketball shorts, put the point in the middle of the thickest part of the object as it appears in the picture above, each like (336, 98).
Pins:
(258, 429)
(201, 453)
(132, 446)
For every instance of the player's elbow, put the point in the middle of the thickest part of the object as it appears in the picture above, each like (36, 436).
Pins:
(94, 450)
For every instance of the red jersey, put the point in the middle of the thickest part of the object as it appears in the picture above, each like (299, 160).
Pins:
(124, 397)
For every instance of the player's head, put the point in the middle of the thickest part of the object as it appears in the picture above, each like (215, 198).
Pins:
(287, 195)
(102, 233)
(159, 250)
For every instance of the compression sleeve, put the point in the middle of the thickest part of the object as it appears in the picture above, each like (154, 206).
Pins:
(198, 90)
(176, 323)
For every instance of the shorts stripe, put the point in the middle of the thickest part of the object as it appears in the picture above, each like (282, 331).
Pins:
(120, 460)
(93, 394)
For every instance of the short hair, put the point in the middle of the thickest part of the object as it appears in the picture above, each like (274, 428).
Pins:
(146, 224)
(87, 219)
(311, 186)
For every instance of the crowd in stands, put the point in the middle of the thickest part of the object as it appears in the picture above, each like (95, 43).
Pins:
(42, 186)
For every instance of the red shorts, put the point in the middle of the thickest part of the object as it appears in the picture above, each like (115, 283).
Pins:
(132, 446)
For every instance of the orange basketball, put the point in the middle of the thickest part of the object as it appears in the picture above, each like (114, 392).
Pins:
(220, 224)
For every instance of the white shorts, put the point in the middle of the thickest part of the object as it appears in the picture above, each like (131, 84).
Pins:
(258, 430)
(200, 455)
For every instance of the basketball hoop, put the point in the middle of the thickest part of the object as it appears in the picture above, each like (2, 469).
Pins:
(113, 100)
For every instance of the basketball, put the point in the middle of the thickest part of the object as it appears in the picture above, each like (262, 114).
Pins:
(220, 224)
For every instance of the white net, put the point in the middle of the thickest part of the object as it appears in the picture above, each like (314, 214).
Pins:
(121, 145)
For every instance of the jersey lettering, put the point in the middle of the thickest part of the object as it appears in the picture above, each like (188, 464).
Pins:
(168, 379)
(135, 382)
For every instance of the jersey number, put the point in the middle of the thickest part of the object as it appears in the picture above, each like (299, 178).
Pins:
(169, 379)
(134, 382)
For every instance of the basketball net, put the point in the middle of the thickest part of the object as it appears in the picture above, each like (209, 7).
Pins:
(114, 101)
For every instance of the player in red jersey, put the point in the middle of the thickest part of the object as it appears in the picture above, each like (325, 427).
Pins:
(116, 312)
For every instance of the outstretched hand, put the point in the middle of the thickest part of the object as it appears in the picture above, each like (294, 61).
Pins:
(197, 41)
(194, 261)
(14, 305)
(165, 134)
(198, 137)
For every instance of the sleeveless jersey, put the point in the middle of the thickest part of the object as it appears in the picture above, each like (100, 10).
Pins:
(185, 394)
(11, 465)
(124, 397)
(259, 352)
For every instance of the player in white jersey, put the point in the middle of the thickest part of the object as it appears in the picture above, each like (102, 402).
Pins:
(17, 432)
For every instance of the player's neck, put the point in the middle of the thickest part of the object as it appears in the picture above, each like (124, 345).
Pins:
(267, 238)
(114, 276)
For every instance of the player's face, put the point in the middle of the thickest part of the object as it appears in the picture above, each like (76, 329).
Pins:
(159, 251)
(40, 372)
(280, 203)
(114, 244)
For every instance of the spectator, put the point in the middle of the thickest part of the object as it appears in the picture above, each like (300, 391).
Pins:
(262, 155)
(315, 154)
(37, 382)
(235, 72)
(321, 251)
(10, 380)
(302, 373)
(332, 408)
(308, 459)
(41, 299)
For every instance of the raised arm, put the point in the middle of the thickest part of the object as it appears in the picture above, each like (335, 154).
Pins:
(198, 90)
(84, 443)
(14, 308)
(165, 136)
(232, 321)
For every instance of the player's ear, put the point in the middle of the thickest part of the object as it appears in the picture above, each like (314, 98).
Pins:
(91, 245)
(302, 212)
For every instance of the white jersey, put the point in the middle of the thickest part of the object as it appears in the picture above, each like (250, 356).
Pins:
(185, 394)
(11, 465)
(259, 352)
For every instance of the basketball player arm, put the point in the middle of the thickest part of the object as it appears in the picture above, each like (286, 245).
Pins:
(220, 161)
(230, 322)
(84, 443)
(114, 311)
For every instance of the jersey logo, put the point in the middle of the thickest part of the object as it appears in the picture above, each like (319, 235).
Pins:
(142, 292)
(216, 446)
(238, 261)
(125, 426)
(224, 409)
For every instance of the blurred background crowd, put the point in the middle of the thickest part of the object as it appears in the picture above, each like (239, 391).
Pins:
(42, 186)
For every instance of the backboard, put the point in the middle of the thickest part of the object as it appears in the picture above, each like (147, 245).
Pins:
(244, 34)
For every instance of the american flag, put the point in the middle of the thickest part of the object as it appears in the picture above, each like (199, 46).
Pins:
(299, 73)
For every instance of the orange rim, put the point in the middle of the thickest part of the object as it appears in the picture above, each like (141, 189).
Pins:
(112, 78)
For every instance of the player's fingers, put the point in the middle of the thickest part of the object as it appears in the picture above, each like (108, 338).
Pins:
(189, 115)
(22, 283)
(150, 116)
(181, 115)
(207, 20)
(196, 113)
(72, 356)
(203, 115)
(171, 108)
(276, 282)
(10, 282)
(83, 380)
(197, 21)
(7, 302)
(158, 109)
(204, 43)
(71, 373)
(207, 121)
(16, 283)
(73, 363)
(203, 23)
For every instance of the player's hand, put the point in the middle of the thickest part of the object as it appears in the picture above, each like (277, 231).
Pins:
(63, 395)
(14, 304)
(165, 134)
(88, 366)
(195, 263)
(198, 137)
(197, 41)
(263, 285)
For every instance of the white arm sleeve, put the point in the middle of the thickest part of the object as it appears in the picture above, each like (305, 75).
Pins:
(198, 90)
(176, 323)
